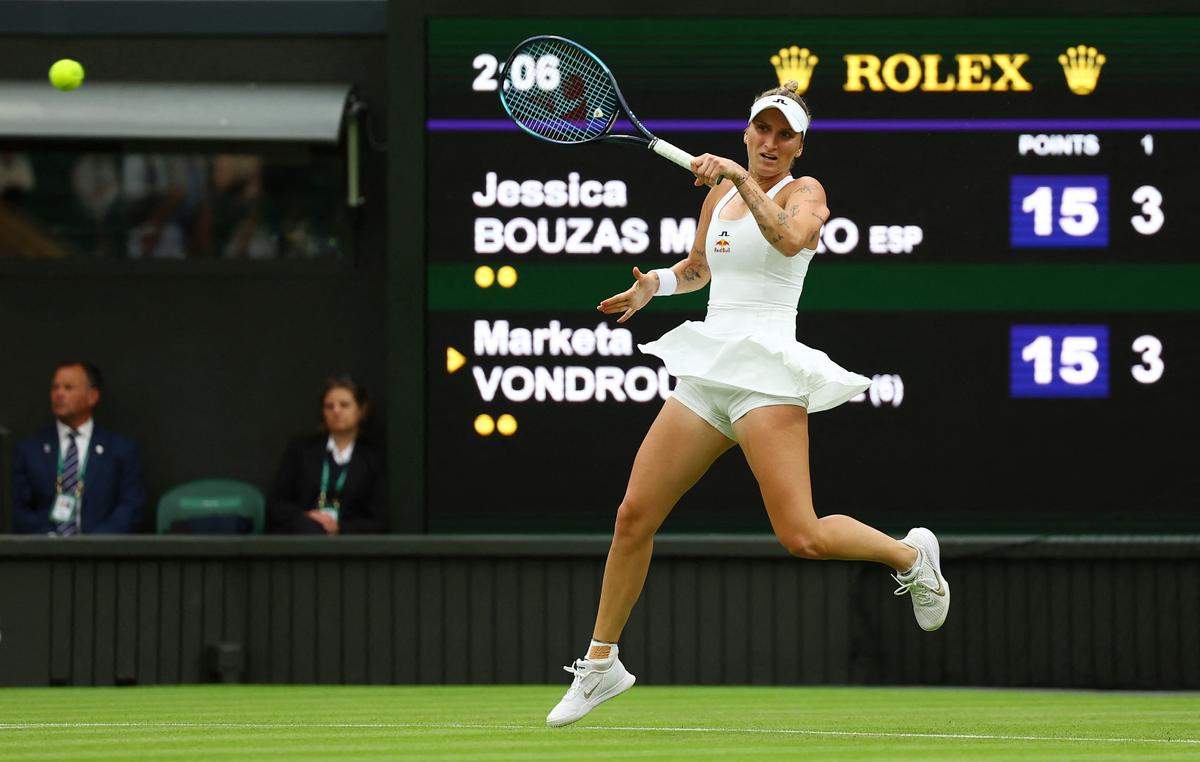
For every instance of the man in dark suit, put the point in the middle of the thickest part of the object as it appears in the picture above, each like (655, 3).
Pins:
(75, 477)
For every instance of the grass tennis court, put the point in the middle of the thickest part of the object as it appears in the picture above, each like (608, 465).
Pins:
(648, 723)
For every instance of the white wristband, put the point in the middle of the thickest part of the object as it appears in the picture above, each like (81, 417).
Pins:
(666, 282)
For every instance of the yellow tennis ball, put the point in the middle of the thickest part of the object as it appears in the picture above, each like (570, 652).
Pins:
(66, 74)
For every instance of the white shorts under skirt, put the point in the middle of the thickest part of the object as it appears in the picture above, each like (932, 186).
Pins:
(720, 405)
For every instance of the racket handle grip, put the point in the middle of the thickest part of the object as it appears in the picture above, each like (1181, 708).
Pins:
(671, 153)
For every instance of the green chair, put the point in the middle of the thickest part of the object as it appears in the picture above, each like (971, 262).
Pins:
(212, 506)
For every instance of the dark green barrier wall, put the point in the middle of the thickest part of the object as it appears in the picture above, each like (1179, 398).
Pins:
(5, 479)
(1062, 612)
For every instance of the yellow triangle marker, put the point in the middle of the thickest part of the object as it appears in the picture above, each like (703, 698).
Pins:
(454, 360)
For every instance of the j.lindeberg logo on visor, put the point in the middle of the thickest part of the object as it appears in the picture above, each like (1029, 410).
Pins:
(797, 119)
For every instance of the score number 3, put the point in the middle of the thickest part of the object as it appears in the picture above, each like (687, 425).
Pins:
(1150, 221)
(1152, 365)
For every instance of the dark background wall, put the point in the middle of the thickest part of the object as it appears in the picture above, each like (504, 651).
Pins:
(1062, 612)
(212, 369)
(210, 366)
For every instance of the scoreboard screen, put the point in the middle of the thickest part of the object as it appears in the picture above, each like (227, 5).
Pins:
(1010, 257)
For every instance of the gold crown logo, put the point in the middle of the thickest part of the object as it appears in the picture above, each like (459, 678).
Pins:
(1081, 66)
(794, 63)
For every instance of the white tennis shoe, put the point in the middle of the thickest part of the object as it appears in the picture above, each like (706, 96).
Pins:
(929, 589)
(590, 688)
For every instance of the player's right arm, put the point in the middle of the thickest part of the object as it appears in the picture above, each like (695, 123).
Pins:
(691, 274)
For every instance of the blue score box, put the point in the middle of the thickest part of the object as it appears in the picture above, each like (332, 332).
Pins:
(1053, 211)
(1058, 361)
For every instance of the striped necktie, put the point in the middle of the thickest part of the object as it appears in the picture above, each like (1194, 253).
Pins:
(70, 480)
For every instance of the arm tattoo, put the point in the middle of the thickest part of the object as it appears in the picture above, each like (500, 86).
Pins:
(806, 188)
(694, 268)
(819, 217)
(755, 202)
(771, 236)
(755, 199)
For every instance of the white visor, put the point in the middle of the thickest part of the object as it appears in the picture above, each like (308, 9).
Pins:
(791, 110)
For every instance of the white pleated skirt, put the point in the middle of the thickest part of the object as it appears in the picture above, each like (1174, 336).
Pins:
(756, 351)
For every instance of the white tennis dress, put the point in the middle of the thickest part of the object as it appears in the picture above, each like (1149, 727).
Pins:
(748, 338)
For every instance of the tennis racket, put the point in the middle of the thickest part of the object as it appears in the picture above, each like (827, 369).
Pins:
(559, 91)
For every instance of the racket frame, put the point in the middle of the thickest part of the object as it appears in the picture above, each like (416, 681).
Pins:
(647, 138)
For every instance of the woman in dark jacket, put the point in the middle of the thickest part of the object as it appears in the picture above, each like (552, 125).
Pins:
(334, 482)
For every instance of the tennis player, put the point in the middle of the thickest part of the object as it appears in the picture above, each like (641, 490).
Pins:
(742, 379)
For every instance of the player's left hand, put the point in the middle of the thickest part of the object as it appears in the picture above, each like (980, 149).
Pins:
(633, 298)
(711, 170)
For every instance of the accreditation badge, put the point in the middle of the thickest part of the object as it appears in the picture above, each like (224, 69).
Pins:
(63, 511)
(330, 511)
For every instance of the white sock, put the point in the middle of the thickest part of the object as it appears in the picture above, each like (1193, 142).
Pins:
(906, 576)
(912, 572)
(600, 644)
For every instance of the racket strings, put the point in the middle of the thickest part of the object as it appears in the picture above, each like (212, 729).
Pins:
(577, 108)
(547, 112)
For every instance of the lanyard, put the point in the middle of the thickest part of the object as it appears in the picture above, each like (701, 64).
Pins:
(59, 471)
(338, 486)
